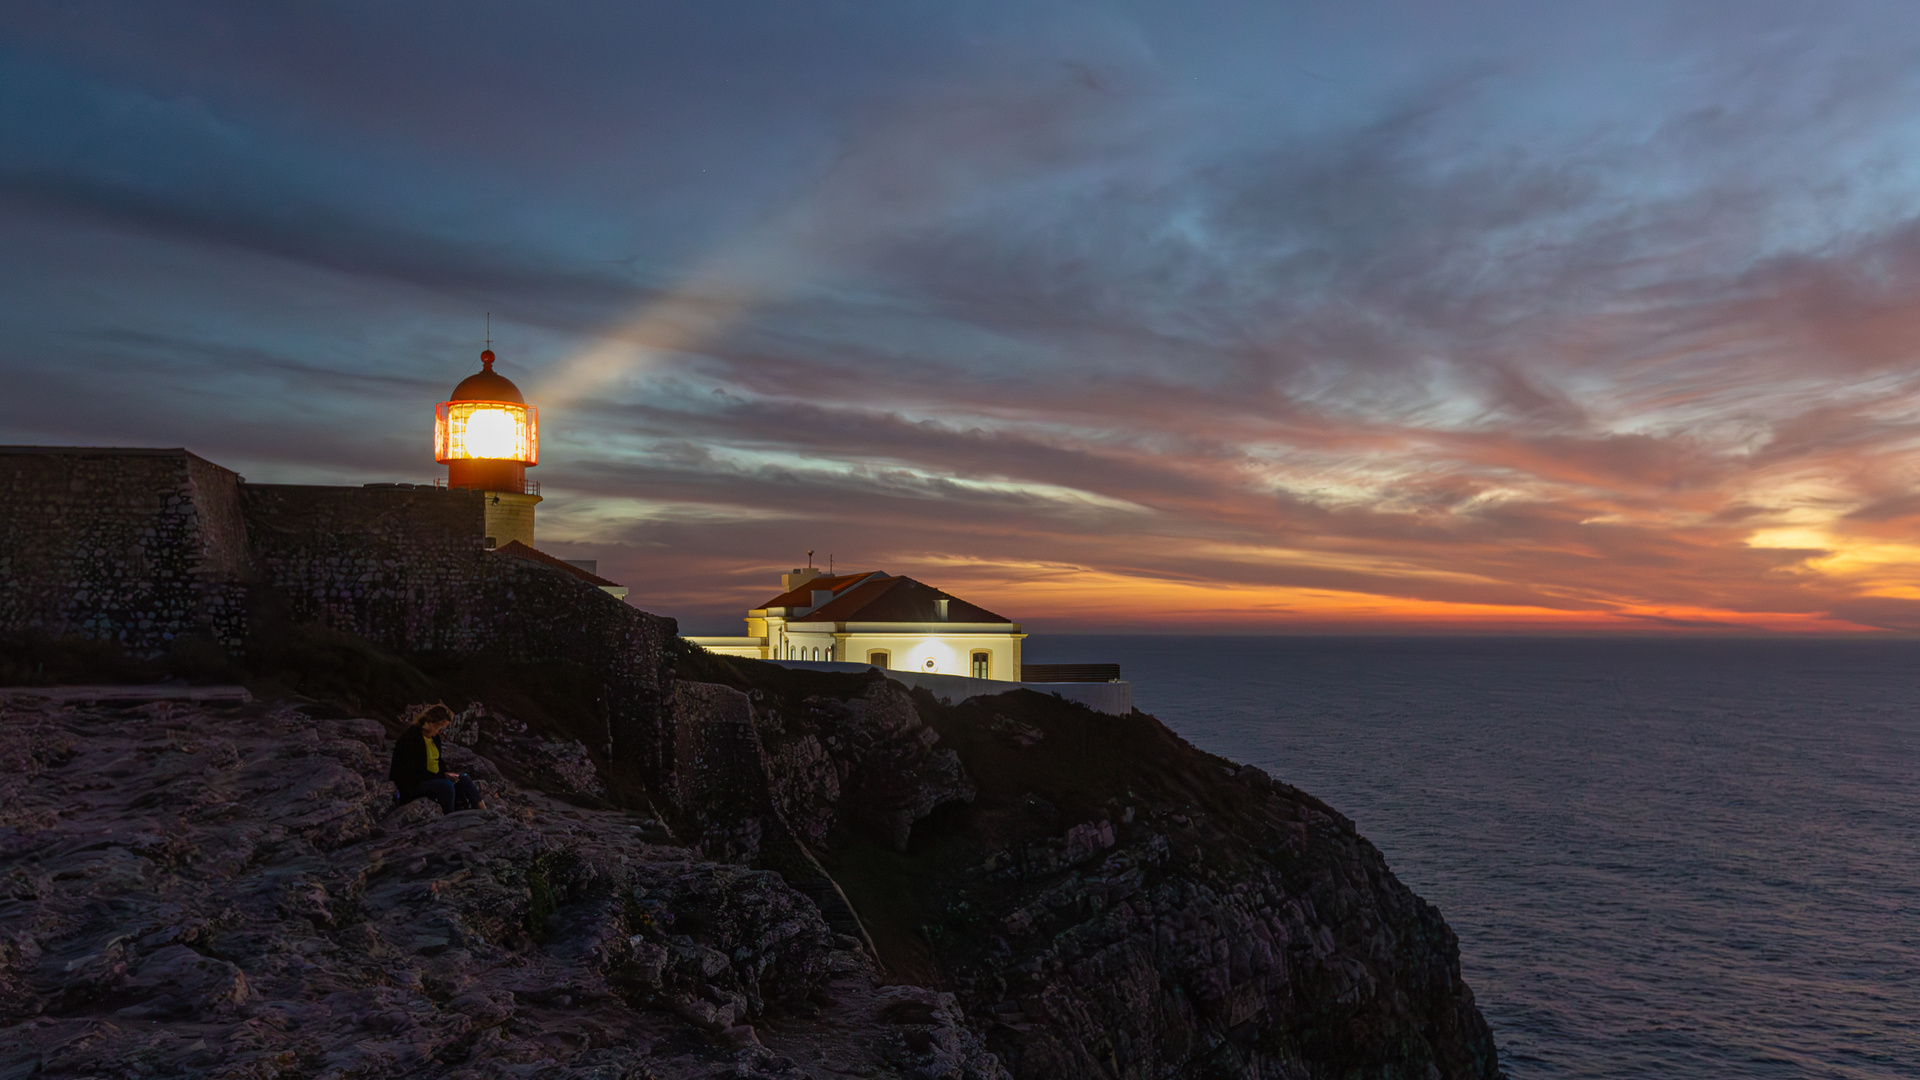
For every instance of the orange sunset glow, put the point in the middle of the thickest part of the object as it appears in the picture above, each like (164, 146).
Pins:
(1525, 321)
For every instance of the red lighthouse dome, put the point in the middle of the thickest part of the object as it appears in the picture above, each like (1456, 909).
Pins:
(487, 385)
(486, 434)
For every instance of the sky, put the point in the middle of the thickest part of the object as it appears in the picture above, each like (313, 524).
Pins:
(1358, 316)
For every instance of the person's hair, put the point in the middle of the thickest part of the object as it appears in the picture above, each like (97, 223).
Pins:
(427, 714)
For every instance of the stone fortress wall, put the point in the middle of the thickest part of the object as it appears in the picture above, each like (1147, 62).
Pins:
(398, 566)
(133, 546)
(1118, 903)
(143, 547)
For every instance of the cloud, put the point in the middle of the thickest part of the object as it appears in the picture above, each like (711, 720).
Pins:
(1032, 305)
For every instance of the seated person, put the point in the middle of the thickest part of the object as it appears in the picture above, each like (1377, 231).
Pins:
(416, 770)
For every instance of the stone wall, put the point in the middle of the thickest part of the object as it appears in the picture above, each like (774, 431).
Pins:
(398, 566)
(406, 569)
(539, 612)
(136, 546)
(144, 546)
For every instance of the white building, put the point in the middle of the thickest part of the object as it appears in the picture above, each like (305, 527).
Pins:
(872, 618)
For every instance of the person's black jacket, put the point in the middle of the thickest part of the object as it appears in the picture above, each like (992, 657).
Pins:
(410, 759)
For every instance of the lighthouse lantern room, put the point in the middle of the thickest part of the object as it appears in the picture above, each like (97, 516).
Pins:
(488, 436)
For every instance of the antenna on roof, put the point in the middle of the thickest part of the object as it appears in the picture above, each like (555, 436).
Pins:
(829, 564)
(489, 329)
(809, 558)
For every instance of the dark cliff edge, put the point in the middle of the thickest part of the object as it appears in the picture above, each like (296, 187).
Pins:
(691, 866)
(193, 891)
(1104, 899)
(831, 876)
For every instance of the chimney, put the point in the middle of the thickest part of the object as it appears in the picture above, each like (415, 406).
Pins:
(940, 609)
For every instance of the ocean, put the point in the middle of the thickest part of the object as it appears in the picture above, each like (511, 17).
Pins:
(1671, 858)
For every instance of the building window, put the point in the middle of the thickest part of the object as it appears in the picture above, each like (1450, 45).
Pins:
(880, 658)
(982, 664)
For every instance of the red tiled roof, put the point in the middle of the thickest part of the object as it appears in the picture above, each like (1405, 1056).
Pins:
(803, 596)
(897, 599)
(519, 550)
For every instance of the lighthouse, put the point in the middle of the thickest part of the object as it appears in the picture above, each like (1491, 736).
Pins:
(487, 436)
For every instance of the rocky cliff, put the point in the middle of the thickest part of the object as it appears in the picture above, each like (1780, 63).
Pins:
(1103, 899)
(197, 893)
(844, 878)
(693, 866)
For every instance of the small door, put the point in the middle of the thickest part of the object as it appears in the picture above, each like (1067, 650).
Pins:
(880, 658)
(982, 665)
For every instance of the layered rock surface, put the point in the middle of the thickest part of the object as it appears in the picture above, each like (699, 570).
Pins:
(865, 882)
(841, 878)
(1105, 900)
(186, 891)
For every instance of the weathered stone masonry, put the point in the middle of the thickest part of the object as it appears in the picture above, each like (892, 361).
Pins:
(405, 569)
(145, 546)
(400, 567)
(133, 546)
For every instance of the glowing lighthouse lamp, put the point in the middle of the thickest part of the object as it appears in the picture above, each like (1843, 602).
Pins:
(488, 436)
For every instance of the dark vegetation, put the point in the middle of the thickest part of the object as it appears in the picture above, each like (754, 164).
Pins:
(28, 659)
